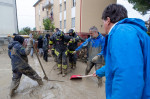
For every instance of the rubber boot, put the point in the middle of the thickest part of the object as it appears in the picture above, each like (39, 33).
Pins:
(13, 87)
(59, 71)
(99, 81)
(40, 82)
(64, 72)
(71, 65)
(74, 66)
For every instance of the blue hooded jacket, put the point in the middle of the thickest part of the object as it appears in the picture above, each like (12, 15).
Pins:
(95, 46)
(18, 55)
(127, 61)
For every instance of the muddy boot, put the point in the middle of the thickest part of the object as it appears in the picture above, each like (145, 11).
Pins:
(60, 71)
(99, 82)
(13, 87)
(64, 72)
(74, 66)
(12, 92)
(86, 72)
(71, 65)
(40, 82)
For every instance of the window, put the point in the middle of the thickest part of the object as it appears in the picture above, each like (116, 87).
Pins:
(73, 22)
(64, 24)
(60, 7)
(60, 24)
(39, 9)
(64, 5)
(73, 3)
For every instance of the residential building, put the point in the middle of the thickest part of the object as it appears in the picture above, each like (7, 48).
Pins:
(79, 15)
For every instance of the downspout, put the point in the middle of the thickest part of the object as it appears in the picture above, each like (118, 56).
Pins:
(80, 14)
(16, 17)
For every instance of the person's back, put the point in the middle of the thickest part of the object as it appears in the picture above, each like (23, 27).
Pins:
(40, 42)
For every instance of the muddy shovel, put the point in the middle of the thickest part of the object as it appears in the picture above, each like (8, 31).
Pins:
(45, 76)
(79, 76)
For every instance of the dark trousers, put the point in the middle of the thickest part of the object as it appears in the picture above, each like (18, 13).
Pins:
(17, 74)
(72, 59)
(90, 66)
(45, 56)
(62, 60)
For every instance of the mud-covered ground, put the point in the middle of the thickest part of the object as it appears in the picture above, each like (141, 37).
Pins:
(85, 88)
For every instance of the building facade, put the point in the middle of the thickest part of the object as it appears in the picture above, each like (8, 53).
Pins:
(79, 15)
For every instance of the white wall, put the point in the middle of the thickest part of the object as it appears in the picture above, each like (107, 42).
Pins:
(8, 18)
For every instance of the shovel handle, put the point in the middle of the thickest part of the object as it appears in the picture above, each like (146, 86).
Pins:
(86, 76)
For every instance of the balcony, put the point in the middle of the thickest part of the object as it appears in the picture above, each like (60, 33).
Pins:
(48, 4)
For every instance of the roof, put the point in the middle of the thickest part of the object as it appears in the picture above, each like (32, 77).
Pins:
(36, 3)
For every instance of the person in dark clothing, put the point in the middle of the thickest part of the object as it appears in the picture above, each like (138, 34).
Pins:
(46, 47)
(53, 46)
(40, 45)
(73, 44)
(61, 40)
(19, 62)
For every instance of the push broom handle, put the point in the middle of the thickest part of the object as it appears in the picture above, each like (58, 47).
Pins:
(86, 76)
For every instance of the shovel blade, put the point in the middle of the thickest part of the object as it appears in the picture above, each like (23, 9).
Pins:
(75, 77)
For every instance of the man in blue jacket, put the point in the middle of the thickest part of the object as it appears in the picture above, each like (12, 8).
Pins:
(95, 45)
(127, 55)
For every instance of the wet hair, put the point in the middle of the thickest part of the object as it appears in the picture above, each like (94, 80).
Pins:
(14, 34)
(18, 38)
(93, 28)
(47, 35)
(57, 29)
(115, 12)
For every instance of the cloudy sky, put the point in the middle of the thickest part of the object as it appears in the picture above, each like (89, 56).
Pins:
(26, 12)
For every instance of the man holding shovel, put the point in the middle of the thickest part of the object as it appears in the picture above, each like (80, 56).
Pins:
(95, 45)
(20, 64)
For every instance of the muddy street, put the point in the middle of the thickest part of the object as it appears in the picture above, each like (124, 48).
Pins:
(85, 88)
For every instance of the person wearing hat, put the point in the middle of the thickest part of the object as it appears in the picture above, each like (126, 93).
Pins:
(73, 44)
(60, 41)
(53, 47)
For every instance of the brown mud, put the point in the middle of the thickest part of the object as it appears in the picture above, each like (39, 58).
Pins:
(85, 88)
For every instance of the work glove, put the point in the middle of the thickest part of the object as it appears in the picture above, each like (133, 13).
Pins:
(74, 52)
(95, 58)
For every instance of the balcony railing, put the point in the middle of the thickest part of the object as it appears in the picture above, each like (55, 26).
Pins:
(48, 4)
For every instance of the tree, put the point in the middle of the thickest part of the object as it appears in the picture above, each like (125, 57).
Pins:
(25, 31)
(143, 6)
(48, 25)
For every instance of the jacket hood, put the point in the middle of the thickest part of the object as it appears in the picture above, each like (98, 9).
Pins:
(10, 46)
(134, 21)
